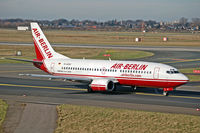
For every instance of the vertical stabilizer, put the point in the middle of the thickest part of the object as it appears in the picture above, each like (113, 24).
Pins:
(43, 48)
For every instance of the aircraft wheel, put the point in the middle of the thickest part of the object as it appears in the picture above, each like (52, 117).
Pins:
(89, 90)
(133, 88)
(165, 93)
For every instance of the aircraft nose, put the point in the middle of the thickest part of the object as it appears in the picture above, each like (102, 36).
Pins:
(185, 78)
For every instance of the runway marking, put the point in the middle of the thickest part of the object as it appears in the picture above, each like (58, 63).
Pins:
(61, 88)
(186, 97)
(190, 60)
(45, 87)
(175, 59)
(19, 71)
(179, 59)
(148, 94)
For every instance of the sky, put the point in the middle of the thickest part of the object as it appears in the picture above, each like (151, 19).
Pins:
(100, 10)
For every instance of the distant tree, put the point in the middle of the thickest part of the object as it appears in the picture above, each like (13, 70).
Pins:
(183, 21)
(60, 22)
(17, 20)
(196, 21)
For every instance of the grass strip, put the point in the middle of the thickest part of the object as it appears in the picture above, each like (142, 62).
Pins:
(190, 71)
(104, 38)
(3, 110)
(88, 119)
(194, 77)
(78, 53)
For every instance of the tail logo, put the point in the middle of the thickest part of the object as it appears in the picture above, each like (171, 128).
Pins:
(42, 43)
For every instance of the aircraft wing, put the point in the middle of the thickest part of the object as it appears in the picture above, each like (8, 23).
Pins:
(80, 79)
(85, 79)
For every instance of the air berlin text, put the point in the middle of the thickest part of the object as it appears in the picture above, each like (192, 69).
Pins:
(129, 66)
(43, 44)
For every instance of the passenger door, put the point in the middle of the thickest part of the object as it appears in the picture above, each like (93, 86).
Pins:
(156, 73)
(52, 68)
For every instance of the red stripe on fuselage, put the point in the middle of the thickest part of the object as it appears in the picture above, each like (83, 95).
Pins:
(160, 83)
(151, 83)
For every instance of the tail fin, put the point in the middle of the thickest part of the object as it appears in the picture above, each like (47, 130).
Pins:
(43, 48)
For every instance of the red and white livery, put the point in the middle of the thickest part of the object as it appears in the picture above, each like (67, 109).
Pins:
(103, 75)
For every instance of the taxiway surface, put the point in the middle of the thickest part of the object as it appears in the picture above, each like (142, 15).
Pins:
(43, 94)
(185, 99)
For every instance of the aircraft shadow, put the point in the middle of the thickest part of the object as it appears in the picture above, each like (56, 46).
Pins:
(124, 90)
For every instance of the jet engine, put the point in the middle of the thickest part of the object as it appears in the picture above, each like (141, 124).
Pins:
(102, 85)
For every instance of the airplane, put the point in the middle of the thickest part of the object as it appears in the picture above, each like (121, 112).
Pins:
(102, 75)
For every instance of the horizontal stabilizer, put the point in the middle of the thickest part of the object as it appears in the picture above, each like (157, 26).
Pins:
(24, 60)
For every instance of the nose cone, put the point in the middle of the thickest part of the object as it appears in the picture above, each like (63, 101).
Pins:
(184, 78)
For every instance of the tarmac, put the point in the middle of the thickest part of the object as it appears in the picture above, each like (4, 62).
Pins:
(32, 99)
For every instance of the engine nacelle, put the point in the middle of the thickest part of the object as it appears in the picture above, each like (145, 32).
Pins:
(102, 85)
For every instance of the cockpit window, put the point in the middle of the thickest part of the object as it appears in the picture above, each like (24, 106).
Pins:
(176, 71)
(172, 71)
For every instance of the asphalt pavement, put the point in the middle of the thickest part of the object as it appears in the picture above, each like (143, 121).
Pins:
(44, 94)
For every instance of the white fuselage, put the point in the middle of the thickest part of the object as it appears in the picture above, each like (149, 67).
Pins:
(132, 73)
(103, 75)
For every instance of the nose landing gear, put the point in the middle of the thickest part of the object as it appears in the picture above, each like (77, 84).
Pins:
(166, 91)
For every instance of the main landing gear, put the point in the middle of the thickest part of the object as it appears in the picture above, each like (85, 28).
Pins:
(89, 90)
(166, 91)
(133, 88)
